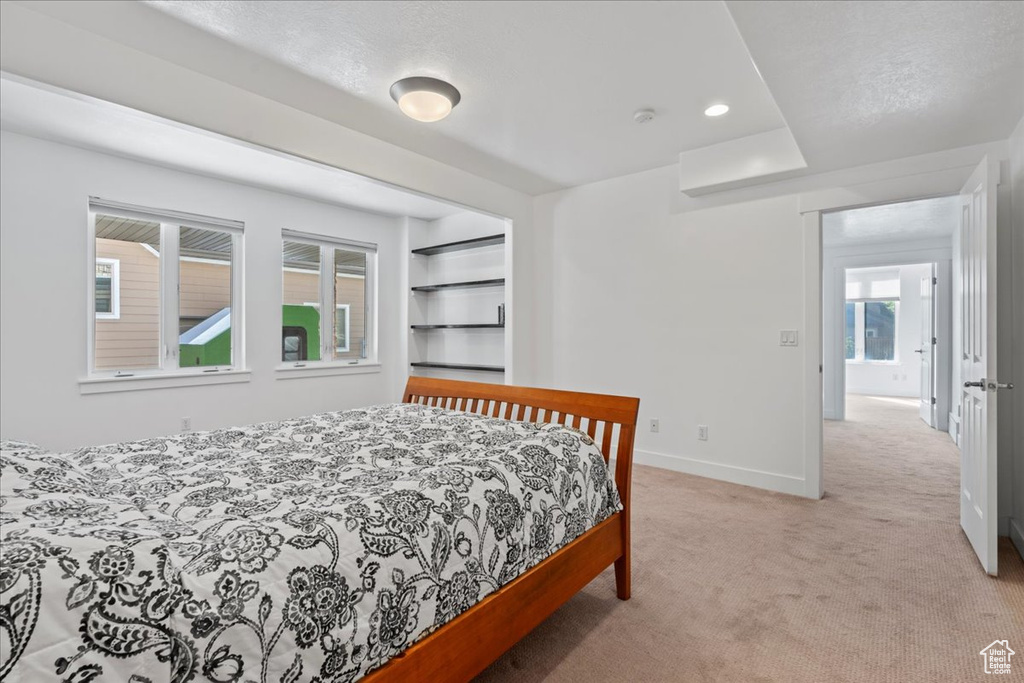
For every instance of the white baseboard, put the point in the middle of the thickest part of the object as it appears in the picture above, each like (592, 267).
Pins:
(713, 470)
(1017, 535)
(828, 414)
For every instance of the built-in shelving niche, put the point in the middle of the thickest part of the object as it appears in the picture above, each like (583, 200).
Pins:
(457, 272)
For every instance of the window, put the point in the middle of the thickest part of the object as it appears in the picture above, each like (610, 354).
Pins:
(204, 300)
(167, 294)
(320, 274)
(872, 306)
(850, 330)
(108, 295)
(879, 330)
(870, 330)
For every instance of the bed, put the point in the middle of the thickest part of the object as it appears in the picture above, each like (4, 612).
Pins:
(411, 541)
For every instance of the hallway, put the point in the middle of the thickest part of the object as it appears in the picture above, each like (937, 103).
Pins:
(874, 583)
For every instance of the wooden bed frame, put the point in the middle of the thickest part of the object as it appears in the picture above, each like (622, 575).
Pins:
(465, 646)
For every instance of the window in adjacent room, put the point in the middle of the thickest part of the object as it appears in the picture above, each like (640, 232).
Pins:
(871, 311)
(880, 330)
(167, 293)
(325, 275)
(871, 330)
(850, 330)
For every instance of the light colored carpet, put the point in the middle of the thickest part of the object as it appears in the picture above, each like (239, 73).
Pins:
(876, 582)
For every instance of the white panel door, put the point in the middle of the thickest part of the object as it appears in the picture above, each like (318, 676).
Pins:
(978, 393)
(927, 349)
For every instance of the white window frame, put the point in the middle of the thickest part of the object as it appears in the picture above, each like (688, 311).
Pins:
(328, 352)
(115, 289)
(859, 333)
(171, 222)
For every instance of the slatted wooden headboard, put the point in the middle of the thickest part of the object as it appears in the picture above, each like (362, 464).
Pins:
(598, 415)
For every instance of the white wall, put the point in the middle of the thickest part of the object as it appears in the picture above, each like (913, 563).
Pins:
(903, 376)
(43, 325)
(683, 310)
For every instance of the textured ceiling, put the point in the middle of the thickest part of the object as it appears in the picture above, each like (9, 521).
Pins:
(917, 220)
(547, 87)
(863, 82)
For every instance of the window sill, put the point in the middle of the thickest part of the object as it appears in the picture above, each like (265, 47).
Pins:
(318, 369)
(107, 385)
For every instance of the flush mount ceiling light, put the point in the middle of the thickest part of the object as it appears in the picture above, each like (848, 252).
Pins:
(425, 99)
(716, 110)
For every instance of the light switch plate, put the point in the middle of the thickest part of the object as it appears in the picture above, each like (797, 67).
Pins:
(788, 338)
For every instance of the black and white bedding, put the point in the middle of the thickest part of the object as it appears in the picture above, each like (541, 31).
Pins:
(307, 550)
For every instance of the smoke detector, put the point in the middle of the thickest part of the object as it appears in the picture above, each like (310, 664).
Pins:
(643, 115)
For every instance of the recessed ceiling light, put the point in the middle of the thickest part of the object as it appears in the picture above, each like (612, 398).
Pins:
(425, 99)
(716, 110)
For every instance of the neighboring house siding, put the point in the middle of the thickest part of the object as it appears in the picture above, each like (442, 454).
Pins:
(205, 288)
(133, 340)
(300, 288)
(351, 291)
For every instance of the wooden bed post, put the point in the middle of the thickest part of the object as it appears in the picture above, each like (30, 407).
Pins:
(623, 482)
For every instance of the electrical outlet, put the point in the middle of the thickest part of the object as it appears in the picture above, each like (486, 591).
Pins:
(655, 426)
(186, 424)
(702, 432)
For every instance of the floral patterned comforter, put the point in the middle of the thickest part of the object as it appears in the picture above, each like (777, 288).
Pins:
(308, 550)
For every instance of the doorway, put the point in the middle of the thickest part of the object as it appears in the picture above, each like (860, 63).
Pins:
(895, 337)
(887, 339)
(982, 238)
(887, 306)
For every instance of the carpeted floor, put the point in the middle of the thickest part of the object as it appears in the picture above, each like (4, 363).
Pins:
(876, 582)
